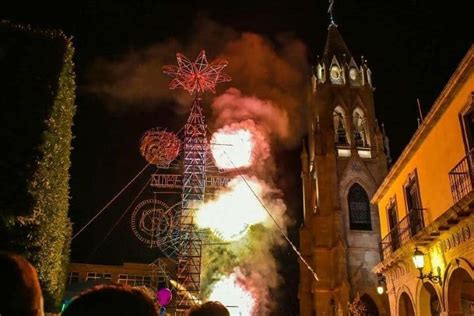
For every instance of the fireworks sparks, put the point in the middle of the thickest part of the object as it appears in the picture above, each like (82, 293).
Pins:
(230, 293)
(232, 148)
(244, 143)
(238, 145)
(233, 211)
(197, 76)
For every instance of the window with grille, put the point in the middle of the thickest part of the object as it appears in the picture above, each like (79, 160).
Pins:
(134, 280)
(359, 208)
(361, 134)
(98, 276)
(73, 277)
(392, 215)
(413, 203)
(340, 130)
(467, 122)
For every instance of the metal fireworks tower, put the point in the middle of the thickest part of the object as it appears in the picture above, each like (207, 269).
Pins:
(195, 77)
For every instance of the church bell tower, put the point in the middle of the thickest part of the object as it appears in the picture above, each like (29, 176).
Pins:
(343, 162)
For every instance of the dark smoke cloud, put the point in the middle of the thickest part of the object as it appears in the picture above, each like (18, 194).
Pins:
(271, 74)
(136, 78)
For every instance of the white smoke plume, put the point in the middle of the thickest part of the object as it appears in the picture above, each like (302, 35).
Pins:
(264, 72)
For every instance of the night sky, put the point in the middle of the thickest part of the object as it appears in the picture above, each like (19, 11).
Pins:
(412, 48)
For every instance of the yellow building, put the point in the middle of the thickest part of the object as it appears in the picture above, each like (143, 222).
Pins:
(425, 206)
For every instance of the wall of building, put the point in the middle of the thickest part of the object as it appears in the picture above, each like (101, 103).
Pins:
(343, 257)
(362, 245)
(445, 286)
(126, 269)
(433, 159)
(452, 253)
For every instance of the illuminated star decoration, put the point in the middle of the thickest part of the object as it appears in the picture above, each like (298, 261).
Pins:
(197, 76)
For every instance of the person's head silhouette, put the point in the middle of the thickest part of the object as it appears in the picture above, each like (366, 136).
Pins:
(20, 290)
(211, 308)
(111, 300)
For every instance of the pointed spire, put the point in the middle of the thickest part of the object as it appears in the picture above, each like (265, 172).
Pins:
(335, 44)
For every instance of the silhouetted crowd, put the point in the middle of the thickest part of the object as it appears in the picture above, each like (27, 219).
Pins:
(20, 295)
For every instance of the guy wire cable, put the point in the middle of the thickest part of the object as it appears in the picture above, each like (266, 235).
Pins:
(300, 256)
(120, 218)
(110, 202)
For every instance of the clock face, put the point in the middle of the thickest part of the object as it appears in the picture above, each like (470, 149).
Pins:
(335, 72)
(353, 73)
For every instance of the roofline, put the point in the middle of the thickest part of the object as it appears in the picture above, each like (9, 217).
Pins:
(428, 123)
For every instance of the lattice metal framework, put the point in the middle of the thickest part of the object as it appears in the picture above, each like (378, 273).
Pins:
(195, 77)
(193, 190)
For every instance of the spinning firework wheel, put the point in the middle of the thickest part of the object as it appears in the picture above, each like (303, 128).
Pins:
(156, 224)
(159, 147)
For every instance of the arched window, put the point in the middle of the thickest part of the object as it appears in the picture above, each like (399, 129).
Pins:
(405, 305)
(369, 76)
(321, 72)
(361, 135)
(340, 130)
(359, 208)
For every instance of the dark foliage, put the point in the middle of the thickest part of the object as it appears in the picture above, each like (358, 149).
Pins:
(37, 106)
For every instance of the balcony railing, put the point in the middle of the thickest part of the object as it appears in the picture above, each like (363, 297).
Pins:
(461, 176)
(402, 232)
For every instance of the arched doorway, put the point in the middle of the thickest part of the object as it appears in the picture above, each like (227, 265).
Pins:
(405, 306)
(429, 301)
(460, 293)
(370, 306)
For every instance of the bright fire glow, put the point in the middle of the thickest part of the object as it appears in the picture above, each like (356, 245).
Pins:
(232, 148)
(234, 296)
(233, 211)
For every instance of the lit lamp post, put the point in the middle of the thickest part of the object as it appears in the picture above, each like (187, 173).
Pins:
(419, 261)
(381, 284)
(380, 289)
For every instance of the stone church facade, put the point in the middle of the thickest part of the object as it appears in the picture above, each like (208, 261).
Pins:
(343, 162)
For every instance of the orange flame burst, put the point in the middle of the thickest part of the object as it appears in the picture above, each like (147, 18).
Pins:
(233, 295)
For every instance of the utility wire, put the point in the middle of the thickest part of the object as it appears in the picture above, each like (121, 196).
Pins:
(300, 256)
(110, 202)
(120, 218)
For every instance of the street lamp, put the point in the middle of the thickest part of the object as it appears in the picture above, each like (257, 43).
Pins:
(381, 284)
(419, 261)
(380, 289)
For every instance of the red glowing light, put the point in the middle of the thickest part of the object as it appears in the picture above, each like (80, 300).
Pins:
(159, 147)
(197, 76)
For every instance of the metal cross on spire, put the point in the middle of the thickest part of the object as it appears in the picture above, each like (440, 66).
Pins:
(196, 76)
(331, 11)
